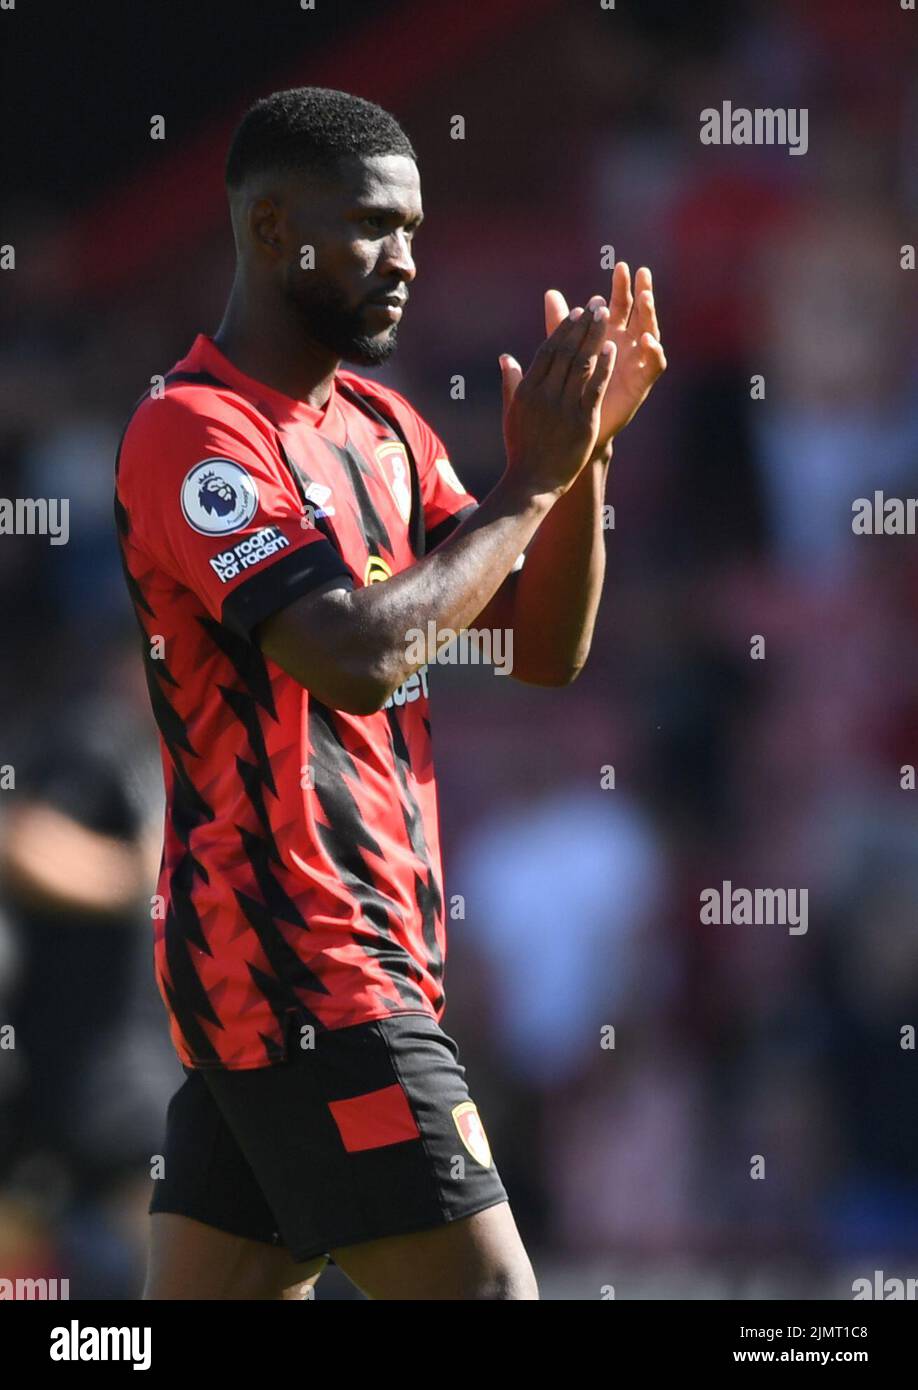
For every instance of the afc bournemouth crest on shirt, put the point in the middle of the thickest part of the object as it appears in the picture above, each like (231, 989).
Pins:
(393, 461)
(471, 1132)
(218, 496)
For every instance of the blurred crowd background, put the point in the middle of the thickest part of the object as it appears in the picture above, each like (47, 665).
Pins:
(629, 1165)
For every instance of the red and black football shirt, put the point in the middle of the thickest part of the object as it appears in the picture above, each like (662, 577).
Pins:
(301, 868)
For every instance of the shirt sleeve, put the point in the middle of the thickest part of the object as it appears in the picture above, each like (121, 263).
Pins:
(212, 501)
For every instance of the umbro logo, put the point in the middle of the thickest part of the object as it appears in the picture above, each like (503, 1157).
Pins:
(317, 495)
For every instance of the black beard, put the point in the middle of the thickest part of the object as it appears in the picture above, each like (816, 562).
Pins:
(327, 319)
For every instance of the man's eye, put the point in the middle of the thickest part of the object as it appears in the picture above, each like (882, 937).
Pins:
(376, 220)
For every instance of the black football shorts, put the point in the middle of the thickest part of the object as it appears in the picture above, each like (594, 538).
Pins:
(365, 1132)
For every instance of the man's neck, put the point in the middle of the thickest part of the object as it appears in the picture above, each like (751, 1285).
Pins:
(275, 355)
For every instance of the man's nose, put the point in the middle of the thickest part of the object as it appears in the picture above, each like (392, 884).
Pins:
(397, 256)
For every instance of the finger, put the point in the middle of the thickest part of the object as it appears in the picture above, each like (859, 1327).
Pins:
(581, 356)
(646, 309)
(568, 348)
(595, 388)
(556, 310)
(643, 318)
(557, 348)
(621, 300)
(511, 375)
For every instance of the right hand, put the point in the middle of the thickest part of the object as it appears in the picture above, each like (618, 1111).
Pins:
(552, 414)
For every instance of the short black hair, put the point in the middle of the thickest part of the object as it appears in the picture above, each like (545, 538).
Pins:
(309, 130)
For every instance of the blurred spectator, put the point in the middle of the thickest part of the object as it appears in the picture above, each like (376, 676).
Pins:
(92, 1070)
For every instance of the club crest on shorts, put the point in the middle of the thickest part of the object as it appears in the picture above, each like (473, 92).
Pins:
(471, 1132)
(218, 496)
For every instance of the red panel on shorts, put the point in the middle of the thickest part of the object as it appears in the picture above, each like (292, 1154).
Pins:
(374, 1120)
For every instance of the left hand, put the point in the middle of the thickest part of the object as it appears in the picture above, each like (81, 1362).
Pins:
(633, 327)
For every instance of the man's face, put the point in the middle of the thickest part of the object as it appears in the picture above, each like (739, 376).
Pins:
(361, 224)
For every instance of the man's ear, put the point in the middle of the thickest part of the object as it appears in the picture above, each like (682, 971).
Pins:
(267, 225)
